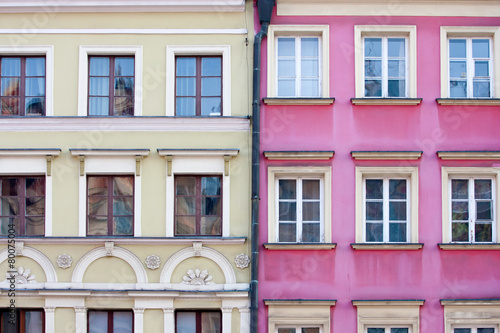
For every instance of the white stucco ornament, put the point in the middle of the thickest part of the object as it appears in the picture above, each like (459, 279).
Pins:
(153, 262)
(64, 261)
(242, 261)
(197, 278)
(22, 276)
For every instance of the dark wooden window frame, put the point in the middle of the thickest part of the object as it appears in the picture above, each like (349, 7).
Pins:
(21, 196)
(110, 318)
(110, 197)
(21, 318)
(198, 78)
(111, 92)
(22, 85)
(198, 318)
(198, 204)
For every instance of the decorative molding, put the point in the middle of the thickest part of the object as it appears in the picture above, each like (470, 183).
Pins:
(22, 276)
(121, 124)
(64, 261)
(298, 101)
(197, 248)
(38, 257)
(49, 309)
(80, 309)
(397, 302)
(138, 310)
(386, 155)
(469, 246)
(109, 152)
(387, 246)
(471, 302)
(300, 302)
(54, 152)
(300, 246)
(197, 278)
(109, 248)
(469, 155)
(198, 152)
(226, 309)
(19, 248)
(130, 240)
(299, 155)
(385, 101)
(468, 101)
(153, 262)
(242, 261)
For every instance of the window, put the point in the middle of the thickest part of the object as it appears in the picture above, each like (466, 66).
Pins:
(387, 330)
(110, 205)
(198, 86)
(22, 81)
(386, 205)
(22, 321)
(198, 322)
(385, 66)
(298, 61)
(385, 63)
(471, 316)
(198, 205)
(22, 205)
(474, 330)
(111, 86)
(300, 209)
(298, 329)
(110, 321)
(386, 209)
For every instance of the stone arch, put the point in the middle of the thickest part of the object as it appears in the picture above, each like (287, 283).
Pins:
(39, 257)
(118, 252)
(180, 256)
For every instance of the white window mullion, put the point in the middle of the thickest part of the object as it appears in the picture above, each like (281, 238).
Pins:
(408, 211)
(299, 210)
(385, 210)
(472, 210)
(385, 68)
(470, 68)
(298, 66)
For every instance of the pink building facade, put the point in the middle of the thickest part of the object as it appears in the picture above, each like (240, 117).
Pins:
(380, 168)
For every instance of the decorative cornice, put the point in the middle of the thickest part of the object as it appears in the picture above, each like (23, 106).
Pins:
(468, 101)
(469, 155)
(197, 152)
(395, 302)
(471, 302)
(386, 246)
(31, 152)
(301, 302)
(386, 155)
(128, 31)
(300, 246)
(386, 101)
(128, 240)
(469, 246)
(299, 155)
(298, 101)
(109, 152)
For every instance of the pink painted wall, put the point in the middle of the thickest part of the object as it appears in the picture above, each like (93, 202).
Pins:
(343, 273)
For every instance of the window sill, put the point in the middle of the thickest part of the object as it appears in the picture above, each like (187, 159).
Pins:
(300, 246)
(129, 240)
(298, 101)
(387, 246)
(386, 101)
(469, 246)
(468, 101)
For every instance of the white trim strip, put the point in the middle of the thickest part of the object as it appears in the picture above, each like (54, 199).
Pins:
(128, 31)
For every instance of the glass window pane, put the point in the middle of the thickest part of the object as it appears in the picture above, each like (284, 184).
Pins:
(123, 206)
(483, 232)
(186, 66)
(397, 211)
(373, 88)
(99, 66)
(210, 185)
(484, 210)
(210, 225)
(286, 47)
(460, 211)
(459, 189)
(373, 47)
(310, 67)
(124, 66)
(458, 69)
(185, 185)
(98, 106)
(481, 68)
(310, 330)
(123, 185)
(458, 89)
(287, 232)
(374, 232)
(287, 211)
(211, 66)
(287, 189)
(211, 322)
(9, 186)
(309, 47)
(185, 106)
(459, 232)
(35, 206)
(35, 106)
(462, 330)
(458, 48)
(396, 88)
(186, 322)
(374, 188)
(98, 205)
(286, 87)
(11, 66)
(399, 330)
(373, 68)
(98, 322)
(9, 206)
(124, 86)
(309, 88)
(376, 330)
(122, 225)
(35, 66)
(98, 226)
(211, 206)
(397, 188)
(185, 86)
(4, 225)
(486, 330)
(481, 89)
(311, 233)
(99, 86)
(8, 327)
(122, 322)
(185, 205)
(397, 232)
(310, 211)
(97, 185)
(185, 225)
(10, 106)
(396, 68)
(286, 330)
(211, 86)
(480, 48)
(286, 67)
(35, 226)
(124, 106)
(310, 188)
(10, 86)
(35, 87)
(210, 106)
(374, 211)
(396, 47)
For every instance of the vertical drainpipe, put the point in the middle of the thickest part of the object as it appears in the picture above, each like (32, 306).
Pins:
(265, 9)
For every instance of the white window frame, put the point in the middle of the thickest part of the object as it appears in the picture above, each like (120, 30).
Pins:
(385, 209)
(276, 173)
(298, 328)
(385, 66)
(397, 31)
(448, 173)
(198, 50)
(44, 50)
(387, 329)
(474, 327)
(469, 61)
(471, 313)
(409, 173)
(299, 200)
(298, 31)
(83, 72)
(447, 32)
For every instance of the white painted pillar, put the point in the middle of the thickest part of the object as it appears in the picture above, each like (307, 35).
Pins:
(138, 320)
(226, 319)
(50, 319)
(244, 320)
(168, 320)
(80, 319)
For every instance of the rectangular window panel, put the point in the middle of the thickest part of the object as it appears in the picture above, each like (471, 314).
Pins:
(103, 321)
(198, 322)
(24, 321)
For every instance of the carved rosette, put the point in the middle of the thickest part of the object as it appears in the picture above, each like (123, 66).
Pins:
(242, 261)
(64, 261)
(22, 276)
(153, 262)
(197, 278)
